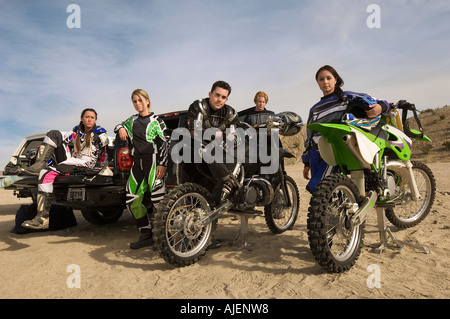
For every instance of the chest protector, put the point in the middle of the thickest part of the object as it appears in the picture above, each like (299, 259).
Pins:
(205, 118)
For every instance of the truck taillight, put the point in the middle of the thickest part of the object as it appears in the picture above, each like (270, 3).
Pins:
(124, 159)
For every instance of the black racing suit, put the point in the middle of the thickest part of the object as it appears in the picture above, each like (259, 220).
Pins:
(201, 117)
(264, 140)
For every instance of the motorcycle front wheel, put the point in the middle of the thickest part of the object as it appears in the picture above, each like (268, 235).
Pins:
(334, 242)
(179, 236)
(278, 215)
(407, 212)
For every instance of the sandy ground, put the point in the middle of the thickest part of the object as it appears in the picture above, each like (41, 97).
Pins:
(51, 264)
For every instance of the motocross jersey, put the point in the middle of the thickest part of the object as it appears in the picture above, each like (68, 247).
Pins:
(148, 135)
(90, 156)
(331, 110)
(257, 117)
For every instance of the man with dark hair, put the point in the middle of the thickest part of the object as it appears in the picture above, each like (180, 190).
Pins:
(221, 84)
(212, 112)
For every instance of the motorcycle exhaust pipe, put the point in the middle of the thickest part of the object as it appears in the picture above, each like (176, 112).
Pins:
(265, 186)
(352, 146)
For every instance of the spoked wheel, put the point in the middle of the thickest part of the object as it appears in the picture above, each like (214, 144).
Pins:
(180, 237)
(407, 212)
(335, 244)
(278, 214)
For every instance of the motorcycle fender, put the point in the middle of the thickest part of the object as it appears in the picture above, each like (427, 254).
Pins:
(401, 146)
(326, 152)
(329, 129)
(367, 148)
(424, 138)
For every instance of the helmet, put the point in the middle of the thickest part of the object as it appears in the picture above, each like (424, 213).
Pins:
(292, 123)
(364, 123)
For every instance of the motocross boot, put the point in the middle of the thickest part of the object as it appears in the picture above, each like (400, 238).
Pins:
(42, 219)
(146, 238)
(43, 156)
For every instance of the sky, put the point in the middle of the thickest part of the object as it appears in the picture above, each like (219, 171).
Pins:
(57, 59)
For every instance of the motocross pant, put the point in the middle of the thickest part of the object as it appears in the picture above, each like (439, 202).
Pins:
(47, 175)
(55, 138)
(142, 179)
(319, 169)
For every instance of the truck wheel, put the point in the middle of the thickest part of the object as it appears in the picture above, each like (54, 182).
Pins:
(102, 216)
(25, 212)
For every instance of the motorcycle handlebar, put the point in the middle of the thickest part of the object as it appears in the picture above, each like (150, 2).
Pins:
(405, 107)
(288, 123)
(272, 121)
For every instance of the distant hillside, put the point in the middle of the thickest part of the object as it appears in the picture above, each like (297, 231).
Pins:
(435, 123)
(295, 145)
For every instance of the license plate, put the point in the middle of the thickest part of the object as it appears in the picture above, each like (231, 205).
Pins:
(75, 194)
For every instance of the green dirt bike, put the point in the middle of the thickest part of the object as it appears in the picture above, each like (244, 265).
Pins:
(375, 173)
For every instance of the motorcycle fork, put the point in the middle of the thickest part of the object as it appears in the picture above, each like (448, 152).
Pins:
(360, 212)
(283, 186)
(412, 182)
(410, 176)
(359, 179)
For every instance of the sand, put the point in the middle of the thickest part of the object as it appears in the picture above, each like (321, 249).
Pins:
(91, 261)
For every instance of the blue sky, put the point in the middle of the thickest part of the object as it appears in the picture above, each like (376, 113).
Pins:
(176, 49)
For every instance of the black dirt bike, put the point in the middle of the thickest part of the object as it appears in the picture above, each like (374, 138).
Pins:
(186, 219)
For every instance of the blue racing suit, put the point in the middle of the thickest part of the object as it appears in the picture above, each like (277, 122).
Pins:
(331, 109)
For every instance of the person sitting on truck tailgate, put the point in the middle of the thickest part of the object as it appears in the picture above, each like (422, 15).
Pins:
(150, 147)
(89, 151)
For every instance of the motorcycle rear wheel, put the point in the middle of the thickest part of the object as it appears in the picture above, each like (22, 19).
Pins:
(278, 216)
(178, 236)
(335, 244)
(410, 213)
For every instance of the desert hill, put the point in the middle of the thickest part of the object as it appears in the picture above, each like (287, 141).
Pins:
(436, 125)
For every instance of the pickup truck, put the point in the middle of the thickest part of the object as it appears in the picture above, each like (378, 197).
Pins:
(100, 197)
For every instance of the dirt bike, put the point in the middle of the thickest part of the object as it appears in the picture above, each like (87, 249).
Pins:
(186, 219)
(376, 171)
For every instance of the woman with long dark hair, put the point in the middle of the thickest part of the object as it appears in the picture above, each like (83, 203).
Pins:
(90, 144)
(334, 104)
